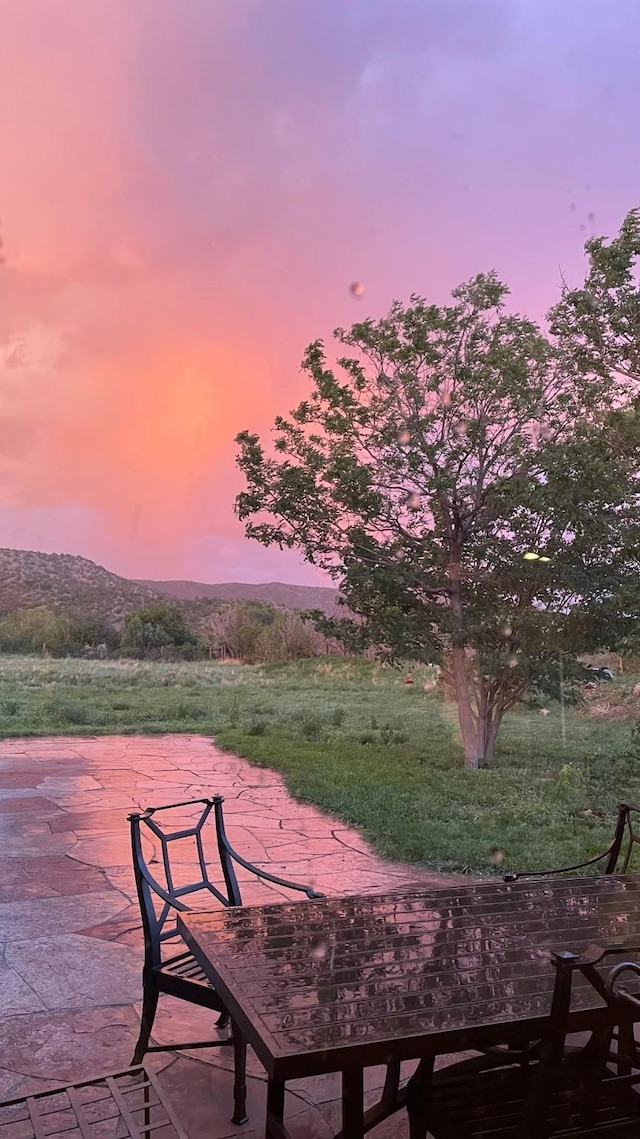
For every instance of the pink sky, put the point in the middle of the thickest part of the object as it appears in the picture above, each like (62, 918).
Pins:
(187, 191)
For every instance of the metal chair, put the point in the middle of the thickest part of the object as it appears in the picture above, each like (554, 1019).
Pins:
(127, 1104)
(559, 1091)
(614, 859)
(169, 967)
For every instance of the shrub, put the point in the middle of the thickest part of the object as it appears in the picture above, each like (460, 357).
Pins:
(256, 726)
(311, 727)
(336, 717)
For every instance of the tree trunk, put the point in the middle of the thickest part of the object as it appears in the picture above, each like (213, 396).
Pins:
(478, 729)
(472, 743)
(490, 729)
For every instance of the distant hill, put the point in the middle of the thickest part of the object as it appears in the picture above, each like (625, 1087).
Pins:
(278, 593)
(67, 583)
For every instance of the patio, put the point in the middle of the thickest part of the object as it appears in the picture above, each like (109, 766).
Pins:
(70, 973)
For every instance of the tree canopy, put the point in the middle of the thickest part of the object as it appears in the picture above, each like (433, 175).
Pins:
(471, 481)
(158, 626)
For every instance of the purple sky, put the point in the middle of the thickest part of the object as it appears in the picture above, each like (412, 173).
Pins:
(187, 191)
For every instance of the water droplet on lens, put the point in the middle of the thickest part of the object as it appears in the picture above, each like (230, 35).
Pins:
(319, 948)
(404, 437)
(531, 556)
(544, 711)
(506, 631)
(413, 501)
(513, 662)
(357, 288)
(496, 854)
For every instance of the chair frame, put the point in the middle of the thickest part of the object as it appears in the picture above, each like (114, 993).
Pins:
(609, 856)
(615, 1021)
(173, 976)
(39, 1110)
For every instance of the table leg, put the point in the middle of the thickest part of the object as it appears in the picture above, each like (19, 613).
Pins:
(240, 1077)
(275, 1110)
(353, 1103)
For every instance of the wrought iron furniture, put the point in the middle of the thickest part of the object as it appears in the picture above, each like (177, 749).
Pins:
(583, 1093)
(615, 859)
(169, 966)
(337, 985)
(127, 1104)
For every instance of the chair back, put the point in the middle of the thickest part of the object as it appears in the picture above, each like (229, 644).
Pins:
(181, 865)
(601, 1069)
(626, 837)
(614, 859)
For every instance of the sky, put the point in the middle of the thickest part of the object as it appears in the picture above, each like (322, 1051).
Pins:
(188, 190)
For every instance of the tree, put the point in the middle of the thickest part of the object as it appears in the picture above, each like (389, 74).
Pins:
(157, 626)
(34, 630)
(236, 627)
(597, 329)
(456, 477)
(290, 637)
(90, 632)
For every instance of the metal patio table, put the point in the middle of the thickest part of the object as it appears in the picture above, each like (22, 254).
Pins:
(339, 984)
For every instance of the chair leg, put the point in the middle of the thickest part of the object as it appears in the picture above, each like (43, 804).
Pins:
(223, 1019)
(150, 994)
(240, 1077)
(418, 1090)
(391, 1084)
(626, 1049)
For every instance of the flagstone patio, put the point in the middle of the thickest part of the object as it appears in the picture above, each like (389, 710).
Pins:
(70, 939)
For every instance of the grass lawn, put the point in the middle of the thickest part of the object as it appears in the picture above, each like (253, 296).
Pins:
(353, 738)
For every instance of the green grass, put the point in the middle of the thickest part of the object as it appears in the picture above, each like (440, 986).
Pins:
(351, 737)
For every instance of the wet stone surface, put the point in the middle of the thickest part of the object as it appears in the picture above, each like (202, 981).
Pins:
(70, 937)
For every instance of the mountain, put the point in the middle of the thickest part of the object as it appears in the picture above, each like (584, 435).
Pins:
(278, 593)
(68, 583)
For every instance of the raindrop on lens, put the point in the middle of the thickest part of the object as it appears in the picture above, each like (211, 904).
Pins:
(506, 631)
(413, 501)
(531, 556)
(357, 288)
(544, 711)
(496, 854)
(319, 948)
(404, 437)
(513, 662)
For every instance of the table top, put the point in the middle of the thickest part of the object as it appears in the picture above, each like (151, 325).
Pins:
(318, 985)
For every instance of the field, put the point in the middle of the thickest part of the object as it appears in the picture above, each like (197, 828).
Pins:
(351, 737)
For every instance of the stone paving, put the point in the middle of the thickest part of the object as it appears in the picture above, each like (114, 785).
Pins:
(70, 939)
